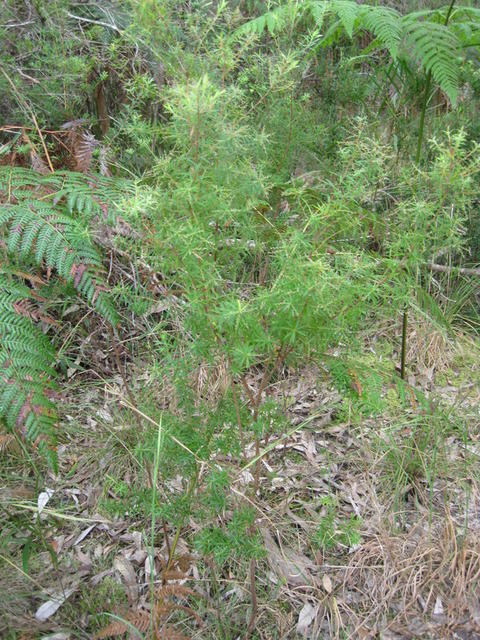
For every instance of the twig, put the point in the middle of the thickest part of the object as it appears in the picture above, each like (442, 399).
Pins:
(253, 617)
(239, 417)
(167, 540)
(463, 271)
(99, 22)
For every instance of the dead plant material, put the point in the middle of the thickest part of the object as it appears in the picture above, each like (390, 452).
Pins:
(83, 146)
(139, 621)
(7, 441)
(72, 147)
(427, 580)
(143, 620)
(211, 382)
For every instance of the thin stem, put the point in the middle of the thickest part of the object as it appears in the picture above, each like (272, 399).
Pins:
(426, 96)
(404, 343)
(253, 617)
(188, 495)
(239, 417)
(422, 117)
(129, 394)
(153, 522)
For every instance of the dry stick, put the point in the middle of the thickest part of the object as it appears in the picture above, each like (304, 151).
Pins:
(253, 617)
(216, 591)
(129, 394)
(463, 271)
(167, 540)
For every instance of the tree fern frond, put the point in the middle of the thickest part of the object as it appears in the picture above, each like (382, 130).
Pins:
(273, 21)
(57, 241)
(80, 193)
(347, 11)
(385, 24)
(435, 45)
(468, 33)
(318, 11)
(436, 48)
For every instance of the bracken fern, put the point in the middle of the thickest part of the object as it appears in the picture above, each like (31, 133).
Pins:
(43, 227)
(27, 362)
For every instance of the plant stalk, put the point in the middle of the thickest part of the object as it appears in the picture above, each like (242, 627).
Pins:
(421, 131)
(404, 343)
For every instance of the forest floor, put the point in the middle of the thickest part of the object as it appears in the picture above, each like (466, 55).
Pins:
(392, 504)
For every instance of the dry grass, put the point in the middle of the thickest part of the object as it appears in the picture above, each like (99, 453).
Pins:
(417, 584)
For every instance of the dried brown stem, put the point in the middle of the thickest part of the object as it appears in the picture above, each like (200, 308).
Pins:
(253, 591)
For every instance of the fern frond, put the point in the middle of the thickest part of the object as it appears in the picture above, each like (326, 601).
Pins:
(43, 223)
(57, 241)
(27, 370)
(79, 193)
(436, 48)
(468, 33)
(273, 21)
(347, 11)
(385, 24)
(139, 621)
(423, 33)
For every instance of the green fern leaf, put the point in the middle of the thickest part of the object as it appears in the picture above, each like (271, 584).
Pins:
(347, 11)
(27, 364)
(436, 48)
(385, 24)
(41, 222)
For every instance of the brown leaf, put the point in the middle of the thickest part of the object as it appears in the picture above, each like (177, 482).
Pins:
(126, 570)
(327, 583)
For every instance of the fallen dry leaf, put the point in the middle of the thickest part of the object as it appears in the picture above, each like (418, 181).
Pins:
(42, 500)
(126, 570)
(327, 583)
(306, 616)
(51, 606)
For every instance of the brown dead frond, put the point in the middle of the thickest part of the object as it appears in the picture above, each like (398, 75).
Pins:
(144, 621)
(71, 147)
(140, 621)
(84, 144)
(168, 590)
